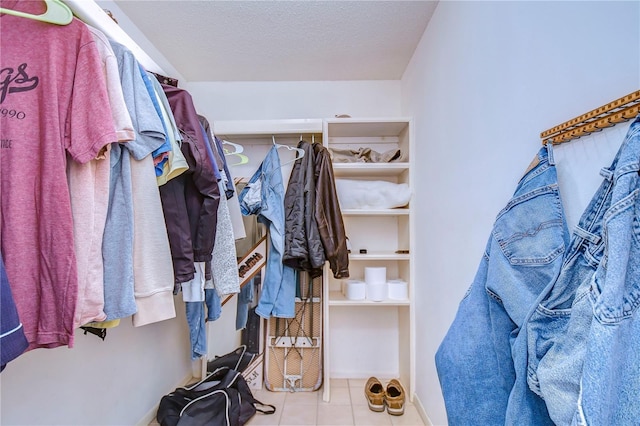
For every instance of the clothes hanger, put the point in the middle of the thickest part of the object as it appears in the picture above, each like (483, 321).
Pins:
(238, 152)
(236, 146)
(290, 148)
(313, 138)
(57, 13)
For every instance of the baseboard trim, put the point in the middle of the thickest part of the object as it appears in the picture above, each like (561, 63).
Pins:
(421, 411)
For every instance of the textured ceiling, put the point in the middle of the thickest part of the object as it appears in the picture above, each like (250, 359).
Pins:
(283, 40)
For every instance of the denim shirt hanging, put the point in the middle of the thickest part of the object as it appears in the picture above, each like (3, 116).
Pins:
(264, 197)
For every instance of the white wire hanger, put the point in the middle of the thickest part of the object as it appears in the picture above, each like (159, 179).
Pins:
(289, 147)
(57, 13)
(300, 151)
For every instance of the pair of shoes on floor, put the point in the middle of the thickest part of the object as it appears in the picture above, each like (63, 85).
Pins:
(393, 396)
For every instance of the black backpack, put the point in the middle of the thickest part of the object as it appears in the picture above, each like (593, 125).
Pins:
(223, 398)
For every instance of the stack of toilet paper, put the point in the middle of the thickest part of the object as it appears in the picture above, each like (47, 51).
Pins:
(375, 286)
(375, 279)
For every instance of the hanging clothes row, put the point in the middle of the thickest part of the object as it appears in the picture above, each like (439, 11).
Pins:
(305, 225)
(111, 189)
(548, 331)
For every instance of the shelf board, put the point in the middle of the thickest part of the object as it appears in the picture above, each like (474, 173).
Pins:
(379, 256)
(369, 169)
(266, 128)
(351, 127)
(375, 212)
(337, 299)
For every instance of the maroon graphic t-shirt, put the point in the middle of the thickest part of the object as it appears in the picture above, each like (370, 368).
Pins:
(53, 104)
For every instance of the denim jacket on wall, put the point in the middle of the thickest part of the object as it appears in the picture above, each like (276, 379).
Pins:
(475, 361)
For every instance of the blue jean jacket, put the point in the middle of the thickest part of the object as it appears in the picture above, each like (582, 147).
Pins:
(583, 347)
(610, 382)
(475, 361)
(556, 327)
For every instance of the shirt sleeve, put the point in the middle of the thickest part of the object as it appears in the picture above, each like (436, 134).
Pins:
(89, 121)
(149, 130)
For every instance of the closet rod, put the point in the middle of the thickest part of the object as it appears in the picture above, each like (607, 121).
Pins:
(618, 111)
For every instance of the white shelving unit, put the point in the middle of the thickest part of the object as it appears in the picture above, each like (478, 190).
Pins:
(365, 338)
(361, 338)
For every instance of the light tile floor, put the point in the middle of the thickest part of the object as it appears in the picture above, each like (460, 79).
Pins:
(348, 406)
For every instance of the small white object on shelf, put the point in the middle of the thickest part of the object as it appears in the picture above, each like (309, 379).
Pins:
(397, 289)
(354, 289)
(377, 292)
(375, 275)
(376, 279)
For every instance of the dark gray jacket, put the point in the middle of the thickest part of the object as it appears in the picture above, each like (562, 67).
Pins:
(303, 249)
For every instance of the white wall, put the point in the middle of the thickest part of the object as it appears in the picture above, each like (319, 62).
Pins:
(485, 80)
(112, 382)
(295, 99)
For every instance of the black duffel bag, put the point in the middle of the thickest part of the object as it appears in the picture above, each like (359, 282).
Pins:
(223, 398)
(238, 360)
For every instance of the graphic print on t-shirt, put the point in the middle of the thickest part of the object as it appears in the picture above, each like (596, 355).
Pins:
(16, 80)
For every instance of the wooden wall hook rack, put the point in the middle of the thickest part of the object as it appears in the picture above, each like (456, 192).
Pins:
(618, 111)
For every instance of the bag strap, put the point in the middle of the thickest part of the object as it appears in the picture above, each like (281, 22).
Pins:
(244, 350)
(256, 403)
(271, 410)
